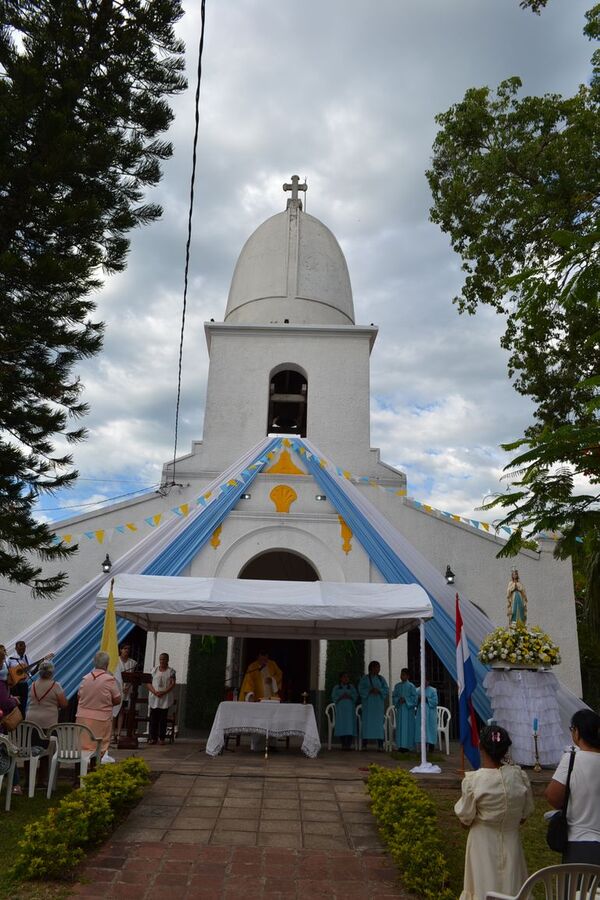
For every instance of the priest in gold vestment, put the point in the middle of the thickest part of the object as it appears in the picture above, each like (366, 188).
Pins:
(262, 679)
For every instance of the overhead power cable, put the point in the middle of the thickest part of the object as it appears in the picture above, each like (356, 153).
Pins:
(189, 234)
(97, 502)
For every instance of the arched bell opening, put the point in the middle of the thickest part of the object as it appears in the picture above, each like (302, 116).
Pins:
(288, 397)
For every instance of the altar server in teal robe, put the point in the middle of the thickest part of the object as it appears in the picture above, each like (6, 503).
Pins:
(431, 705)
(345, 697)
(373, 690)
(404, 699)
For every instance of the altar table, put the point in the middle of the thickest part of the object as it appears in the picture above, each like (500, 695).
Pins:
(274, 720)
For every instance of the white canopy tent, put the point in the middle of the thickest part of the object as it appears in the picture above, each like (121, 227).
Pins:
(275, 609)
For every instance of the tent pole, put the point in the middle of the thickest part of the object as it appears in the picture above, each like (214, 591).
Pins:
(423, 709)
(390, 682)
(424, 767)
(154, 651)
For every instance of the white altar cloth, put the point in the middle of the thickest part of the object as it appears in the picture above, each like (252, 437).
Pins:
(271, 719)
(519, 696)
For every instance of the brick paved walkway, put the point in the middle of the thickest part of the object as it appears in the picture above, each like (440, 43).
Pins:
(154, 870)
(241, 827)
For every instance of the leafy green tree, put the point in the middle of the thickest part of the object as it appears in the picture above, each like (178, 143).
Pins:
(516, 184)
(82, 105)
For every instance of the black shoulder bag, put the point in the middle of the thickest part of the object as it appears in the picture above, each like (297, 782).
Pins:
(557, 836)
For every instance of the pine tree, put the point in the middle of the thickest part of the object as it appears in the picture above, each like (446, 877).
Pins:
(82, 105)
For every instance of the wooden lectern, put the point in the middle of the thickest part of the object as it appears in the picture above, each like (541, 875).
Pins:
(130, 741)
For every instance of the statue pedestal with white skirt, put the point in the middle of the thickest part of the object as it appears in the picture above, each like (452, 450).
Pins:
(520, 699)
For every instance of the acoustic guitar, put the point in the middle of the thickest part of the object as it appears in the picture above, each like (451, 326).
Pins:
(18, 673)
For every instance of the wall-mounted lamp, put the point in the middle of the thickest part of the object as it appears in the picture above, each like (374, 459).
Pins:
(320, 497)
(449, 576)
(245, 496)
(106, 565)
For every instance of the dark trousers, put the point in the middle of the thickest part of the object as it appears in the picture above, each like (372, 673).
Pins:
(157, 727)
(582, 852)
(21, 690)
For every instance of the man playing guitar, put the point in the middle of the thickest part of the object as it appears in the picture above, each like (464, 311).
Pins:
(19, 670)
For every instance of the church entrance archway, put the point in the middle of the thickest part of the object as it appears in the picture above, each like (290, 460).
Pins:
(298, 659)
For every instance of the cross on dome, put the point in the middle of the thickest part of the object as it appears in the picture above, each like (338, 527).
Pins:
(294, 187)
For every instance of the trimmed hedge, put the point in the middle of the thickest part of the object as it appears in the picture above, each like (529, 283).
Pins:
(408, 825)
(205, 680)
(53, 845)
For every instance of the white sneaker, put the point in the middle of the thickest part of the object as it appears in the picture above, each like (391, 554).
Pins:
(107, 759)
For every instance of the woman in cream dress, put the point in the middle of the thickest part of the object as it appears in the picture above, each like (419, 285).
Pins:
(495, 800)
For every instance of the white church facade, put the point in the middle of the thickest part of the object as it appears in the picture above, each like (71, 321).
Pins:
(289, 360)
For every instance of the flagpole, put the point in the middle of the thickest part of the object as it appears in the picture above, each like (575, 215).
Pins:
(466, 683)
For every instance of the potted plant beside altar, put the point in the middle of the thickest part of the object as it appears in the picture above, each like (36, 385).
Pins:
(521, 687)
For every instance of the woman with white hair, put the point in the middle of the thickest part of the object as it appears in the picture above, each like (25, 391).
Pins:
(98, 693)
(46, 698)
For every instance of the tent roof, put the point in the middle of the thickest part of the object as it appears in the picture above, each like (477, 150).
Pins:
(277, 609)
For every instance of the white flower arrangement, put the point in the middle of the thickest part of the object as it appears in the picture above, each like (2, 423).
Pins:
(518, 645)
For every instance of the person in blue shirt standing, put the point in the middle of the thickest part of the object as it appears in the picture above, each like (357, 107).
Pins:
(345, 697)
(404, 699)
(373, 690)
(431, 705)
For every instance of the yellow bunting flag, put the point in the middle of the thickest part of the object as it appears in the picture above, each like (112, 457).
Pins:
(131, 526)
(109, 642)
(485, 525)
(156, 519)
(184, 509)
(67, 538)
(99, 536)
(427, 508)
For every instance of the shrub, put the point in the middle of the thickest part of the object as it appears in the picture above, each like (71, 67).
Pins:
(52, 846)
(408, 825)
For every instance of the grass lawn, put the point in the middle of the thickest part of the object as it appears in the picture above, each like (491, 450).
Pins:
(537, 852)
(22, 811)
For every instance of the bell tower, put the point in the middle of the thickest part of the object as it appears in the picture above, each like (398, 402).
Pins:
(288, 357)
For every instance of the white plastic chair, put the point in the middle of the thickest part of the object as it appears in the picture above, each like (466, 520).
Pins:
(330, 714)
(23, 737)
(12, 754)
(390, 728)
(67, 751)
(568, 881)
(358, 714)
(443, 727)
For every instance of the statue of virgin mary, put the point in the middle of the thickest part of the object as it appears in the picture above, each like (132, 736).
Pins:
(516, 600)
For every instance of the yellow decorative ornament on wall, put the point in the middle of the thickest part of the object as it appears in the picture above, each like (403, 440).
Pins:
(346, 534)
(283, 496)
(284, 466)
(216, 536)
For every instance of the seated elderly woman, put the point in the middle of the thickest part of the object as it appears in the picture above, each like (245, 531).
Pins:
(98, 693)
(46, 698)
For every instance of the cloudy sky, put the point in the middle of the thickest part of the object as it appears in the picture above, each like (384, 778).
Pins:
(344, 94)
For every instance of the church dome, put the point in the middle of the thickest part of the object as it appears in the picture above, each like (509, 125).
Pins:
(293, 268)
